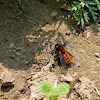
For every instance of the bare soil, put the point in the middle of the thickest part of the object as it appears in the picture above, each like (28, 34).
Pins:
(27, 50)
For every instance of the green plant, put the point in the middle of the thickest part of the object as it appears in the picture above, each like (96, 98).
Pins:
(84, 9)
(19, 14)
(98, 3)
(53, 92)
(21, 9)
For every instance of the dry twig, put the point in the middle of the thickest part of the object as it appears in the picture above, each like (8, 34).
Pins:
(97, 91)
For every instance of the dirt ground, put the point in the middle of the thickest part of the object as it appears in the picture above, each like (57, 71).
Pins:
(27, 51)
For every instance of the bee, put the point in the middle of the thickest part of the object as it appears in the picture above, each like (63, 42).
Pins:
(63, 57)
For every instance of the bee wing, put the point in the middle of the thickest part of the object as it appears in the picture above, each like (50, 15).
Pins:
(63, 63)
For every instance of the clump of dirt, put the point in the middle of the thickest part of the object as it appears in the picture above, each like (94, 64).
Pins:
(27, 51)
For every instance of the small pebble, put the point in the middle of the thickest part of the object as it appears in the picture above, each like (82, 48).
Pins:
(12, 45)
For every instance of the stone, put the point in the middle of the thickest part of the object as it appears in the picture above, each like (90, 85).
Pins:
(7, 78)
(12, 45)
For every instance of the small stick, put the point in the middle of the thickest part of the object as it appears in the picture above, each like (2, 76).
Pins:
(97, 91)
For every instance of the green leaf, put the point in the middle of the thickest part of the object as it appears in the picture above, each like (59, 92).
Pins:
(75, 6)
(54, 14)
(85, 14)
(76, 13)
(18, 15)
(78, 17)
(46, 88)
(98, 6)
(93, 13)
(98, 3)
(82, 4)
(63, 88)
(90, 2)
(82, 21)
(75, 2)
(94, 8)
